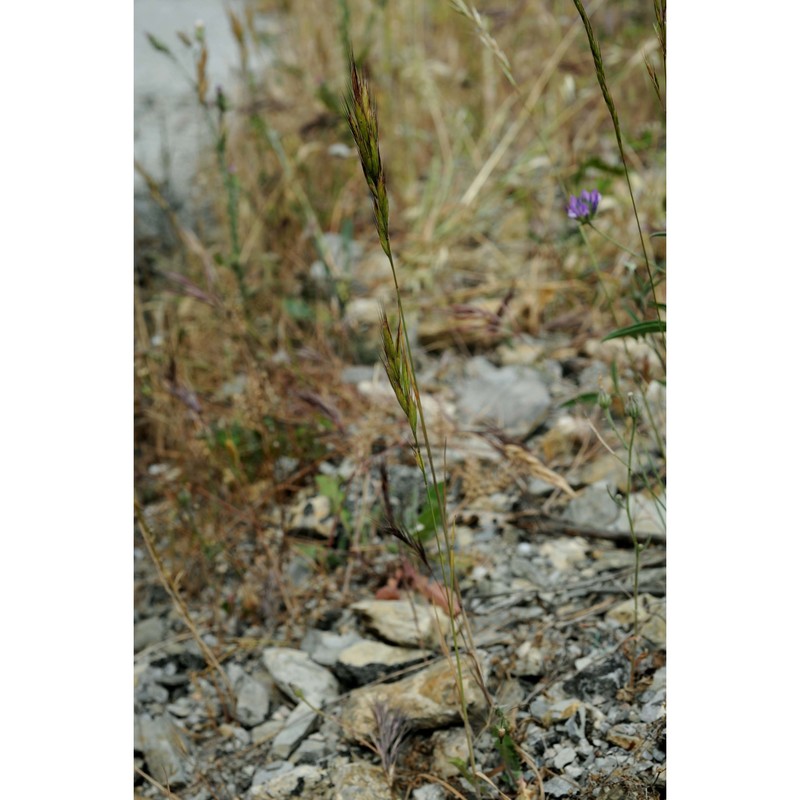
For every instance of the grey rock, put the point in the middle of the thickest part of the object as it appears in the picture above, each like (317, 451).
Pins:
(530, 661)
(149, 688)
(252, 697)
(301, 781)
(293, 668)
(559, 787)
(312, 750)
(147, 632)
(367, 661)
(627, 735)
(164, 747)
(235, 734)
(324, 646)
(648, 515)
(428, 699)
(565, 552)
(603, 678)
(652, 617)
(654, 709)
(272, 771)
(313, 515)
(448, 745)
(182, 707)
(566, 755)
(266, 731)
(302, 721)
(574, 771)
(402, 622)
(576, 725)
(514, 398)
(428, 791)
(359, 780)
(593, 508)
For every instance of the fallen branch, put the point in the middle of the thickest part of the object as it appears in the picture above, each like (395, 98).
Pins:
(543, 523)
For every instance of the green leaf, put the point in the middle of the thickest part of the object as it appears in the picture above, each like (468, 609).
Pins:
(588, 398)
(297, 309)
(638, 329)
(157, 44)
(430, 519)
(329, 486)
(462, 767)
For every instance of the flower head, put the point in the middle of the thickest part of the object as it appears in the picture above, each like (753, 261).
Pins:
(583, 208)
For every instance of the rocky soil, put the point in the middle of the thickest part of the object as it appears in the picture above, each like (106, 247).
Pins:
(346, 693)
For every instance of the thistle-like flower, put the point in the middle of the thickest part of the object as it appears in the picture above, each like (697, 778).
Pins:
(583, 208)
(391, 727)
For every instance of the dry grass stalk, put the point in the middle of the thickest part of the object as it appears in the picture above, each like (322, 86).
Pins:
(227, 695)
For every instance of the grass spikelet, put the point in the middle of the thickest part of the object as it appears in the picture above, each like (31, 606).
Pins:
(471, 13)
(362, 118)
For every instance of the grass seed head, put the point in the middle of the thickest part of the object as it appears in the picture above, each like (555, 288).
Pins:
(362, 117)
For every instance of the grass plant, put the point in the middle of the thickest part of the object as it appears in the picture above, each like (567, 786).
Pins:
(490, 120)
(361, 112)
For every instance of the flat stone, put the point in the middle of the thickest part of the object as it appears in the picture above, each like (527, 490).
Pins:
(558, 787)
(252, 697)
(266, 731)
(565, 756)
(604, 678)
(291, 668)
(429, 791)
(300, 722)
(368, 661)
(359, 780)
(560, 711)
(306, 781)
(164, 747)
(312, 516)
(404, 623)
(448, 745)
(652, 617)
(148, 631)
(312, 750)
(608, 470)
(593, 508)
(625, 735)
(648, 514)
(530, 661)
(565, 553)
(428, 699)
(324, 647)
(655, 708)
(514, 398)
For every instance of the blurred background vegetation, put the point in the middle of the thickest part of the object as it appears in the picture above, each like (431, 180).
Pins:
(247, 319)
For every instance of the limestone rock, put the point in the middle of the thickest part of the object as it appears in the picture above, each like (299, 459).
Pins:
(428, 699)
(305, 781)
(368, 661)
(404, 623)
(292, 669)
(652, 617)
(165, 750)
(514, 398)
(359, 780)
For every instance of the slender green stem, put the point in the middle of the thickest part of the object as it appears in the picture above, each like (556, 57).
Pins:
(447, 568)
(601, 79)
(613, 241)
(636, 552)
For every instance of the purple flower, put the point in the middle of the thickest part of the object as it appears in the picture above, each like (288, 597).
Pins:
(583, 208)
